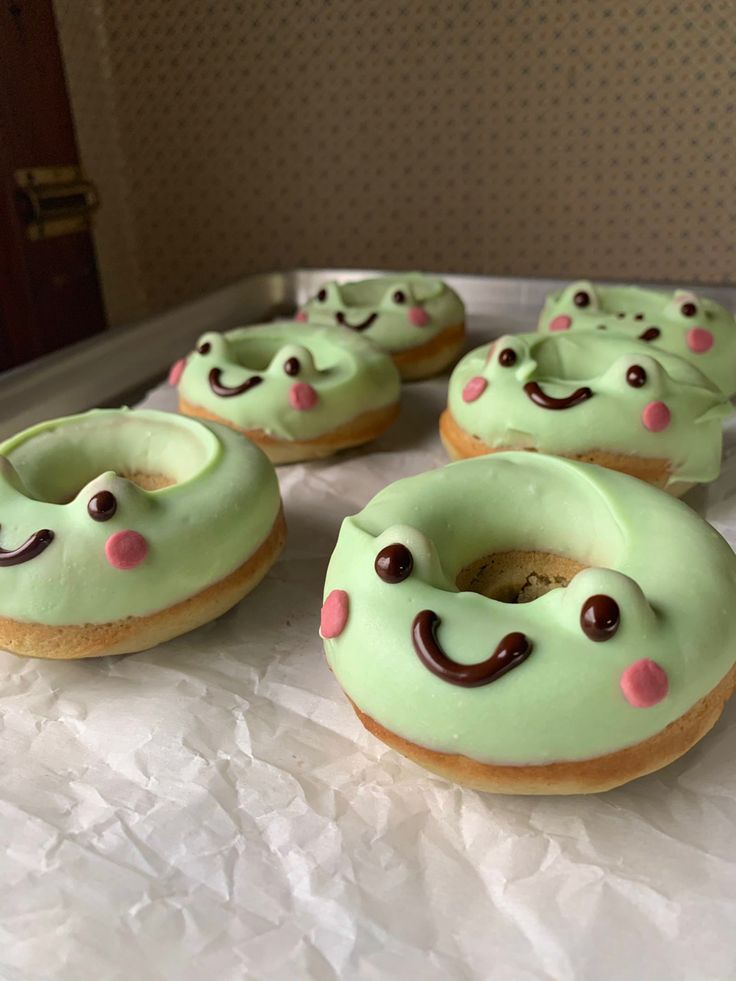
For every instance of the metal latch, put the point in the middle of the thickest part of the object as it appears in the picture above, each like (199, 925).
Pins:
(55, 200)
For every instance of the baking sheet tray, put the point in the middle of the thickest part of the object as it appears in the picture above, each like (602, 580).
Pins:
(212, 808)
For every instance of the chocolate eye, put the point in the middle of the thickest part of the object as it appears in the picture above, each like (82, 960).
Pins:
(399, 296)
(600, 617)
(507, 357)
(292, 366)
(204, 348)
(636, 376)
(102, 506)
(322, 295)
(688, 309)
(394, 563)
(581, 299)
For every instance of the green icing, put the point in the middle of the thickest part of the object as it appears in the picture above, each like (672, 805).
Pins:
(349, 375)
(672, 575)
(391, 329)
(631, 310)
(199, 530)
(611, 420)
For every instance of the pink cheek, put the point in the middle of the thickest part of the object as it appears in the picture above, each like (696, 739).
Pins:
(177, 370)
(699, 340)
(418, 316)
(474, 389)
(656, 417)
(560, 323)
(302, 396)
(644, 683)
(302, 316)
(126, 549)
(334, 614)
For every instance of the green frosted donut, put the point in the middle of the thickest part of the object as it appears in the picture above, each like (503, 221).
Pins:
(80, 543)
(639, 636)
(570, 394)
(289, 381)
(395, 312)
(693, 326)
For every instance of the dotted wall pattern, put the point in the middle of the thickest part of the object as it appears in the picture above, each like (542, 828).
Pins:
(83, 33)
(558, 138)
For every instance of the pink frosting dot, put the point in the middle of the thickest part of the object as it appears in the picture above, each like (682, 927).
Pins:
(334, 614)
(302, 316)
(176, 371)
(656, 417)
(126, 549)
(644, 683)
(302, 396)
(561, 322)
(474, 389)
(699, 340)
(418, 316)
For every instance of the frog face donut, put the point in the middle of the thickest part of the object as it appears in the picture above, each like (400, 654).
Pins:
(299, 391)
(416, 319)
(684, 323)
(596, 397)
(522, 623)
(121, 528)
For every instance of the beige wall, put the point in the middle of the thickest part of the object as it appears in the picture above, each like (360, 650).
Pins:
(564, 138)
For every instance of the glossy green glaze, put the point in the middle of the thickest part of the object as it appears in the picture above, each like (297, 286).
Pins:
(693, 326)
(397, 313)
(612, 419)
(347, 376)
(672, 575)
(220, 510)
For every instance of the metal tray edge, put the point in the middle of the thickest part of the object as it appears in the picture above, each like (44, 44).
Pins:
(116, 367)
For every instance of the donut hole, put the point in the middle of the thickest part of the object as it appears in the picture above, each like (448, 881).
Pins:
(146, 481)
(149, 481)
(153, 450)
(517, 576)
(256, 352)
(571, 359)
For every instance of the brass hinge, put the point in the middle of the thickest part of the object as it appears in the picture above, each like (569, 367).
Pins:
(55, 200)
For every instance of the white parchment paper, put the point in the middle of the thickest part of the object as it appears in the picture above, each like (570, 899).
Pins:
(212, 809)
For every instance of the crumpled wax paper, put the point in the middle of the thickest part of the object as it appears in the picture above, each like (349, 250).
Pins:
(213, 809)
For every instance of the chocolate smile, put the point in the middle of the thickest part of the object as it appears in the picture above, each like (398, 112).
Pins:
(650, 334)
(510, 652)
(540, 398)
(225, 391)
(37, 543)
(340, 318)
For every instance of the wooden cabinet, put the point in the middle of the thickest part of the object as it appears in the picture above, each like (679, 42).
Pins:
(49, 289)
